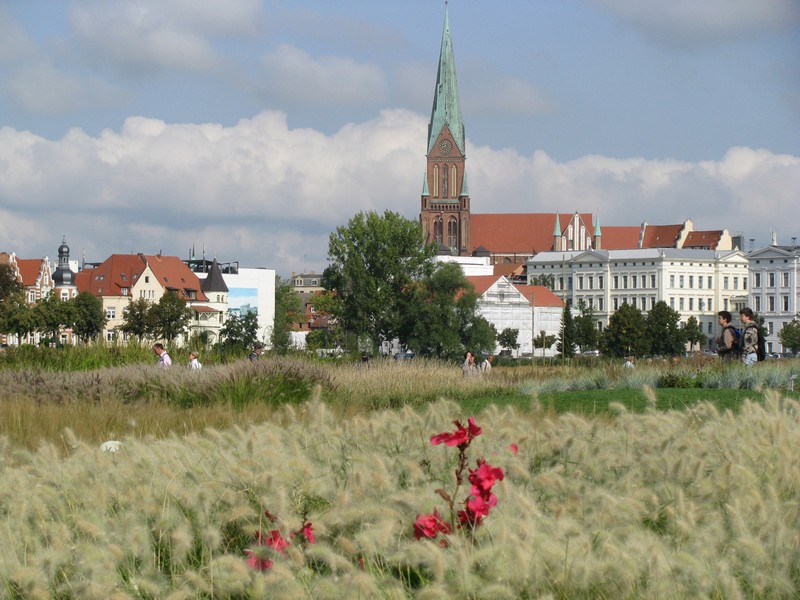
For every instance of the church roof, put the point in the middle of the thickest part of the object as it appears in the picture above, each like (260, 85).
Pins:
(620, 237)
(446, 107)
(518, 233)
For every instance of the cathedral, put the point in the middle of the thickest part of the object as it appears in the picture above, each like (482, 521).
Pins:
(448, 222)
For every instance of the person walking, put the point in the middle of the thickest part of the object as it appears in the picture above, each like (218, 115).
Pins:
(164, 359)
(194, 364)
(749, 337)
(728, 341)
(486, 365)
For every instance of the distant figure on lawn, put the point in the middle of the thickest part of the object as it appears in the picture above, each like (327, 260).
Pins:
(728, 341)
(164, 360)
(468, 366)
(630, 363)
(258, 350)
(486, 365)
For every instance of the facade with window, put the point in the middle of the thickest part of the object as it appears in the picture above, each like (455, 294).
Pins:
(691, 281)
(774, 291)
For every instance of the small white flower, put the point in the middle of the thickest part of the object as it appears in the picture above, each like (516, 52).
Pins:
(110, 446)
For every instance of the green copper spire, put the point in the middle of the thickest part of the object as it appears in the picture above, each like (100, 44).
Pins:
(557, 228)
(464, 187)
(446, 108)
(597, 227)
(425, 191)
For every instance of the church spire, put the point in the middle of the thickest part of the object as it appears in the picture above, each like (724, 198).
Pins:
(446, 107)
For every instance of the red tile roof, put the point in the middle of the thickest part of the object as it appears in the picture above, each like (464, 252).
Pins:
(173, 274)
(107, 279)
(481, 283)
(540, 295)
(661, 236)
(508, 269)
(703, 239)
(619, 237)
(519, 233)
(29, 270)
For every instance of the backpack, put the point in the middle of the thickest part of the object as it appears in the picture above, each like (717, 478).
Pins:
(761, 348)
(736, 344)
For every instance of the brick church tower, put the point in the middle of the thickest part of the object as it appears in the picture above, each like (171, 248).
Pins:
(444, 208)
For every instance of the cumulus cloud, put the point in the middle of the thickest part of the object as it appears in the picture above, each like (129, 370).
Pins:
(693, 23)
(293, 75)
(268, 195)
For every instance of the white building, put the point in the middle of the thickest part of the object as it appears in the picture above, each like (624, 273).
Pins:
(529, 309)
(775, 289)
(693, 282)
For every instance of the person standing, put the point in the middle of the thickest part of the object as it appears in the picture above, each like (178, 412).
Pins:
(194, 364)
(728, 341)
(164, 359)
(258, 350)
(749, 337)
(468, 366)
(486, 365)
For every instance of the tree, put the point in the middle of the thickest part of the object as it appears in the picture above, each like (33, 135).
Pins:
(586, 335)
(542, 341)
(372, 262)
(508, 339)
(53, 314)
(568, 333)
(169, 317)
(89, 316)
(548, 281)
(625, 334)
(789, 336)
(9, 284)
(439, 316)
(136, 319)
(240, 332)
(693, 333)
(17, 316)
(287, 311)
(664, 335)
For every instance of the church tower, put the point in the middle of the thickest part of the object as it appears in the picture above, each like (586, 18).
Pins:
(63, 278)
(444, 207)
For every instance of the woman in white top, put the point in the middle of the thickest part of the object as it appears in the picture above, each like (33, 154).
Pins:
(194, 364)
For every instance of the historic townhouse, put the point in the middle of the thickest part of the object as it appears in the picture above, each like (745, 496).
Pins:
(696, 283)
(775, 288)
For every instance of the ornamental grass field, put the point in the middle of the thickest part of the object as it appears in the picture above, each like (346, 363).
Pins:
(312, 489)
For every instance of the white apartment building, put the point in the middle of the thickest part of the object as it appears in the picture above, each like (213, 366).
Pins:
(774, 288)
(693, 282)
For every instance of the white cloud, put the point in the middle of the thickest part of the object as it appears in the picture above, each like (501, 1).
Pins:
(267, 195)
(292, 74)
(699, 23)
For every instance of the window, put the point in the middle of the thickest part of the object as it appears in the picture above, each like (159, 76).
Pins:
(710, 282)
(591, 282)
(599, 304)
(736, 283)
(569, 282)
(771, 277)
(109, 336)
(771, 303)
(784, 303)
(770, 328)
(124, 291)
(756, 279)
(616, 282)
(680, 281)
(672, 281)
(31, 296)
(680, 303)
(652, 302)
(616, 303)
(445, 182)
(785, 279)
(710, 305)
(625, 282)
(672, 303)
(652, 281)
(147, 278)
(701, 304)
(633, 281)
(600, 282)
(452, 232)
(709, 328)
(725, 283)
(580, 282)
(64, 295)
(111, 312)
(700, 282)
(757, 303)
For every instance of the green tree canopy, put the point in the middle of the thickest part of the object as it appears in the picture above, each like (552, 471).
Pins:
(288, 310)
(89, 316)
(508, 339)
(169, 317)
(586, 334)
(625, 334)
(372, 261)
(693, 333)
(567, 334)
(136, 319)
(664, 334)
(17, 316)
(239, 333)
(9, 284)
(54, 314)
(789, 336)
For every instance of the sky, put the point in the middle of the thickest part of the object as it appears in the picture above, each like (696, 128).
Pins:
(249, 130)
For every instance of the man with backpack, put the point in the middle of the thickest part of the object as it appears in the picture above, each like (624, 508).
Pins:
(752, 339)
(728, 342)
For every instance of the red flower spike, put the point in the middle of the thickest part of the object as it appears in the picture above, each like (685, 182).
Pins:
(429, 526)
(276, 541)
(308, 532)
(460, 437)
(259, 564)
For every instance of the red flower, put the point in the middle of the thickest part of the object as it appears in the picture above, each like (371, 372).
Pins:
(274, 540)
(429, 526)
(461, 436)
(259, 564)
(308, 532)
(514, 449)
(484, 477)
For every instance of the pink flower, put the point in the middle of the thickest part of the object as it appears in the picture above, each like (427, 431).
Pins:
(514, 449)
(429, 526)
(256, 562)
(308, 532)
(274, 540)
(460, 437)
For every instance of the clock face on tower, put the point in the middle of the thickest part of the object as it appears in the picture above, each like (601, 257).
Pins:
(445, 146)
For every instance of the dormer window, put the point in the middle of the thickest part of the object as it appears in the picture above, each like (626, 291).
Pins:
(123, 276)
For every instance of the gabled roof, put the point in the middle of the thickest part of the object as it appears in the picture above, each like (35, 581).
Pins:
(109, 277)
(481, 283)
(703, 239)
(659, 236)
(508, 269)
(519, 233)
(539, 295)
(30, 269)
(173, 274)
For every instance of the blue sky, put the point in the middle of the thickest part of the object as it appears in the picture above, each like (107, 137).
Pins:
(253, 128)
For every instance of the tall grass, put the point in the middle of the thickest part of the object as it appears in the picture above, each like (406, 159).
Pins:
(691, 504)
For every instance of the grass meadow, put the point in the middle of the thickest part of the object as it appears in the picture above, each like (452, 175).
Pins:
(667, 481)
